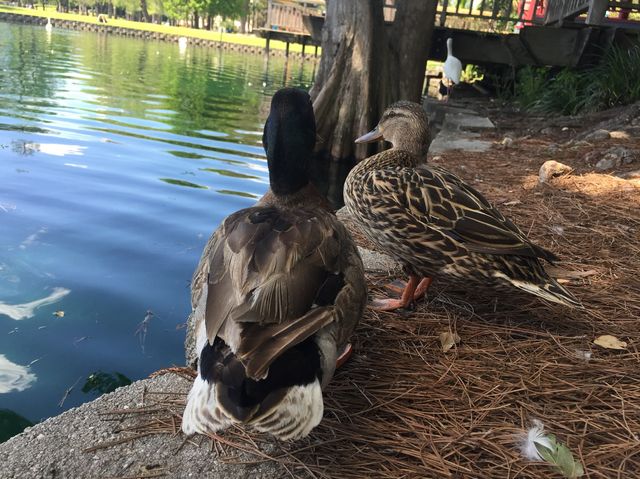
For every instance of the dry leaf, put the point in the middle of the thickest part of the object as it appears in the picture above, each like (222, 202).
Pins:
(540, 446)
(610, 342)
(448, 339)
(59, 314)
(512, 203)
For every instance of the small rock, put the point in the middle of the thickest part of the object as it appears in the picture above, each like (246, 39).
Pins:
(547, 131)
(551, 169)
(620, 135)
(630, 175)
(506, 142)
(598, 135)
(580, 144)
(614, 158)
(607, 164)
(552, 149)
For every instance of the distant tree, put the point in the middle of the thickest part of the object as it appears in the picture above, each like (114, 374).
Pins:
(365, 66)
(144, 11)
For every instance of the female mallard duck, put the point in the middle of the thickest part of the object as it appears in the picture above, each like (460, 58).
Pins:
(434, 223)
(279, 289)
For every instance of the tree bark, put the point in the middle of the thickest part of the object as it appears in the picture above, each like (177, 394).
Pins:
(366, 66)
(144, 11)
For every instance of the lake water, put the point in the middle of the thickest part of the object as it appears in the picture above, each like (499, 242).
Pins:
(118, 157)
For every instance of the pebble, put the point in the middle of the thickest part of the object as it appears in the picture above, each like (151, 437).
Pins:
(550, 169)
(507, 142)
(620, 135)
(552, 149)
(613, 158)
(598, 135)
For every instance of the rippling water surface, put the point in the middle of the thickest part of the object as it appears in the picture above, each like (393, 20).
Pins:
(118, 157)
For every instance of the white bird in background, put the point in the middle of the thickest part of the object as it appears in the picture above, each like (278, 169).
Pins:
(48, 26)
(182, 43)
(452, 69)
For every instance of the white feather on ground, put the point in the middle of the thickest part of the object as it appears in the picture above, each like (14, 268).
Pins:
(535, 435)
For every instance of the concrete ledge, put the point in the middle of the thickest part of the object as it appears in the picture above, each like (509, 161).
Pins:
(54, 448)
(143, 34)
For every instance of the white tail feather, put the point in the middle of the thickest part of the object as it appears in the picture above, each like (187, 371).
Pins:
(296, 415)
(202, 413)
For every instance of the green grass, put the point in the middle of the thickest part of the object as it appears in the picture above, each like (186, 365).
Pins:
(612, 82)
(237, 38)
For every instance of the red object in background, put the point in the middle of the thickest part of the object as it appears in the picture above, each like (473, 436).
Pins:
(533, 11)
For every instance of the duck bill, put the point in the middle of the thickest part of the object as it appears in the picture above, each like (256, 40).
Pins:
(373, 135)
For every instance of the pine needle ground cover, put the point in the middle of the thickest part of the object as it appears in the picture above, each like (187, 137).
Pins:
(402, 407)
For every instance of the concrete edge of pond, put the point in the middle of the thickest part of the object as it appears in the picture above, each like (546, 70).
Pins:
(25, 18)
(55, 448)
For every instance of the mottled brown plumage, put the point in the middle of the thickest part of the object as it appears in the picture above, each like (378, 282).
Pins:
(434, 223)
(279, 290)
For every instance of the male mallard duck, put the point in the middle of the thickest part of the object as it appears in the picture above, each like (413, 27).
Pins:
(434, 223)
(279, 289)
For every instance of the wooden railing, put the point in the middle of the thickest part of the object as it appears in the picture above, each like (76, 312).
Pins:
(596, 10)
(528, 12)
(492, 10)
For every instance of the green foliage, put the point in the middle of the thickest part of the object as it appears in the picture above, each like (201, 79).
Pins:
(612, 82)
(11, 423)
(564, 93)
(472, 73)
(530, 85)
(560, 457)
(103, 383)
(615, 80)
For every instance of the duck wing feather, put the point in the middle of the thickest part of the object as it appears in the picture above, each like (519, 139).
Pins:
(274, 278)
(438, 199)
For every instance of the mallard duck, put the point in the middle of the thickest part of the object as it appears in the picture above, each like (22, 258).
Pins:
(434, 223)
(279, 289)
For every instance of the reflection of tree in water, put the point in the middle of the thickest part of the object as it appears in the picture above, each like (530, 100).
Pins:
(26, 53)
(12, 423)
(103, 383)
(207, 89)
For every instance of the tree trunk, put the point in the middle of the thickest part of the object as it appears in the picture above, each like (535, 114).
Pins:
(346, 92)
(244, 16)
(366, 66)
(144, 11)
(409, 43)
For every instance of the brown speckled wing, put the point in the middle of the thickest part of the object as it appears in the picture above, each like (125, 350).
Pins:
(428, 204)
(275, 276)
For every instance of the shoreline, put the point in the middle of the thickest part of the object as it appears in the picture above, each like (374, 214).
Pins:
(110, 29)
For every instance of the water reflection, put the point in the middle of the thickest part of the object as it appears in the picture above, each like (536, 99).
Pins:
(12, 423)
(188, 184)
(146, 151)
(14, 377)
(22, 311)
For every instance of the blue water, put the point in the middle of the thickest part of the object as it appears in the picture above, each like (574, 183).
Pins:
(118, 157)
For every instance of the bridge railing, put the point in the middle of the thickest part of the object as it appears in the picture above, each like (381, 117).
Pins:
(596, 10)
(505, 14)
